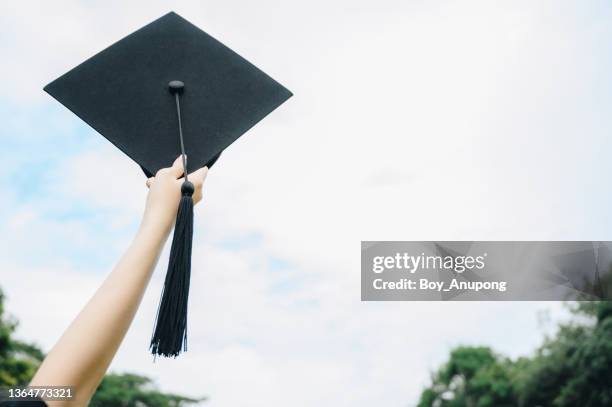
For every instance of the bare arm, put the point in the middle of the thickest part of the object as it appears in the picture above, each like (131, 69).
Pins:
(82, 355)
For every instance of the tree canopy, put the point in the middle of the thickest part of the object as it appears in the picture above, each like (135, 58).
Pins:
(130, 390)
(572, 368)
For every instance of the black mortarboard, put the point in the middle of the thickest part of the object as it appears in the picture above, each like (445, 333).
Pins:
(169, 89)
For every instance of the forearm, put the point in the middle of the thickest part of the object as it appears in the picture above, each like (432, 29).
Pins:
(82, 355)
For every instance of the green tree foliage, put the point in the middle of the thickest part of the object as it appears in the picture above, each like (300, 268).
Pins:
(473, 377)
(19, 361)
(129, 390)
(573, 368)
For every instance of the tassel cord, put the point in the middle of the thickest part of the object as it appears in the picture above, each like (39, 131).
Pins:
(170, 333)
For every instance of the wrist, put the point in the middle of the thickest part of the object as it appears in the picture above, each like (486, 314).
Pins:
(154, 227)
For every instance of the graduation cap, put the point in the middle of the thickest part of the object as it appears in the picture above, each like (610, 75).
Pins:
(170, 89)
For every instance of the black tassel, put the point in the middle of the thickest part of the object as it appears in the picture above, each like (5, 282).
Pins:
(170, 334)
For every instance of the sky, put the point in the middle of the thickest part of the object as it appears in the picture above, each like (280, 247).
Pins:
(411, 120)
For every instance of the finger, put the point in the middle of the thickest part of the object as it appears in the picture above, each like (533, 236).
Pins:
(198, 177)
(150, 182)
(177, 168)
